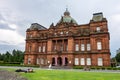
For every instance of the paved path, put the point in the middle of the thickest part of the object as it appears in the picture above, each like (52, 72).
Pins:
(80, 70)
(6, 75)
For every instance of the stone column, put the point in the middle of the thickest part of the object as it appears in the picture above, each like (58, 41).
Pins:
(63, 61)
(56, 61)
(63, 44)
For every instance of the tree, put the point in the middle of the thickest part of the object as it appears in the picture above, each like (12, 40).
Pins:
(7, 57)
(118, 57)
(15, 56)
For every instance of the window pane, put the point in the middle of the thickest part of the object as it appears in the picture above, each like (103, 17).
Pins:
(39, 48)
(82, 47)
(29, 60)
(88, 47)
(82, 61)
(99, 45)
(100, 62)
(43, 48)
(88, 61)
(76, 47)
(30, 47)
(76, 61)
(37, 61)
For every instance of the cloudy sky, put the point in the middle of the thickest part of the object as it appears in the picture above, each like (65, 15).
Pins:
(17, 15)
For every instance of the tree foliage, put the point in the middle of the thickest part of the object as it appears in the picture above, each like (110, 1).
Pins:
(118, 57)
(14, 56)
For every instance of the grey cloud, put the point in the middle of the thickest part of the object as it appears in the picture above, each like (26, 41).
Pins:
(4, 48)
(45, 12)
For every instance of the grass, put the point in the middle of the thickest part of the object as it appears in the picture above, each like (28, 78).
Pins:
(70, 75)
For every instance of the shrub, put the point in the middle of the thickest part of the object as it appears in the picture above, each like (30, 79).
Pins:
(114, 68)
(109, 68)
(77, 67)
(103, 68)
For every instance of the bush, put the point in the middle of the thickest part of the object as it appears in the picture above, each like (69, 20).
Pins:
(103, 68)
(77, 67)
(114, 68)
(109, 68)
(98, 68)
(9, 65)
(93, 67)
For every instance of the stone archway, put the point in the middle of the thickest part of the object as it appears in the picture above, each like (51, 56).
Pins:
(66, 61)
(59, 61)
(53, 61)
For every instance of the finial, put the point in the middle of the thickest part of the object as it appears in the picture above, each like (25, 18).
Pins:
(66, 13)
(66, 8)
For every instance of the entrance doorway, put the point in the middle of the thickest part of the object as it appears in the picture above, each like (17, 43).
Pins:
(66, 61)
(53, 61)
(59, 61)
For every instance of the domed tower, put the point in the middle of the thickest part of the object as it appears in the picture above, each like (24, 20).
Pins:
(67, 18)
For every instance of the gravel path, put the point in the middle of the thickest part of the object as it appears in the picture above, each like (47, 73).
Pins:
(6, 75)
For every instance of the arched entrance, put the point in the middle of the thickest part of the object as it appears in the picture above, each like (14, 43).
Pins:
(53, 61)
(59, 61)
(66, 61)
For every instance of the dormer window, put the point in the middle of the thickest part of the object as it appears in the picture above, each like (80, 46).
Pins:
(98, 29)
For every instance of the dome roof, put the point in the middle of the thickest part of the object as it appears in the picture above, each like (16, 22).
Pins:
(67, 18)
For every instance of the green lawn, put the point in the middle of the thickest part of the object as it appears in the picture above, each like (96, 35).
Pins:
(70, 75)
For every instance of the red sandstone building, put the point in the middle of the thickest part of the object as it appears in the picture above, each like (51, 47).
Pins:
(69, 44)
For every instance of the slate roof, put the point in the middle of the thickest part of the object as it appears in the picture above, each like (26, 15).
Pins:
(37, 26)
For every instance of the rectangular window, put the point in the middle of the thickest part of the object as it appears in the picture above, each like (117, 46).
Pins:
(100, 62)
(76, 47)
(39, 49)
(88, 61)
(82, 61)
(88, 47)
(43, 48)
(42, 61)
(30, 47)
(99, 46)
(76, 61)
(54, 47)
(29, 60)
(37, 61)
(61, 48)
(82, 47)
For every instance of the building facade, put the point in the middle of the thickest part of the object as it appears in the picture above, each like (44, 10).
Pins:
(69, 44)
